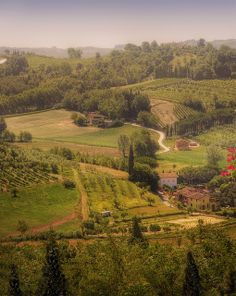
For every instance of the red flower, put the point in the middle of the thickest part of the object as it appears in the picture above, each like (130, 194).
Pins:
(231, 167)
(224, 173)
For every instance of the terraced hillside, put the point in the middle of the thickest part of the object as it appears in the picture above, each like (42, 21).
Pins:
(168, 95)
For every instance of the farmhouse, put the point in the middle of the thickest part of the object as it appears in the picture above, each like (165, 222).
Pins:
(95, 118)
(185, 144)
(197, 199)
(169, 179)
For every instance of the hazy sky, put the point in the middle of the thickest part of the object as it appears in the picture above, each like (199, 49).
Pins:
(105, 23)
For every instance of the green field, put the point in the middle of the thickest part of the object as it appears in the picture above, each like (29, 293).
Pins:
(36, 206)
(179, 159)
(56, 125)
(36, 60)
(224, 136)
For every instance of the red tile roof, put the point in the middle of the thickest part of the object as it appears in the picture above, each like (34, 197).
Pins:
(193, 193)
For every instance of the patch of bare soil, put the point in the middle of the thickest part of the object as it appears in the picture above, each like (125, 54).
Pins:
(164, 110)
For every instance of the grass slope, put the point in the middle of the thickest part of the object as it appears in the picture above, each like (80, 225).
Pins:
(56, 125)
(36, 206)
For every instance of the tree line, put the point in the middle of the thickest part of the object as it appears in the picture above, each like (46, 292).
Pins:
(201, 122)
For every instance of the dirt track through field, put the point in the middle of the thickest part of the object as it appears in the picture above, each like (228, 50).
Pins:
(2, 61)
(161, 139)
(84, 208)
(81, 211)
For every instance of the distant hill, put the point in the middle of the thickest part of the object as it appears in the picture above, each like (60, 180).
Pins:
(59, 52)
(216, 43)
(91, 51)
(229, 42)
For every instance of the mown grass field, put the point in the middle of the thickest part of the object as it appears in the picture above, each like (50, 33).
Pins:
(36, 60)
(36, 206)
(57, 126)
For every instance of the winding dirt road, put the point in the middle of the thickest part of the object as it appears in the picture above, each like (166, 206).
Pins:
(80, 211)
(161, 139)
(2, 61)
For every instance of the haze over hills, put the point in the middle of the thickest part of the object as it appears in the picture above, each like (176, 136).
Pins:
(56, 52)
(91, 51)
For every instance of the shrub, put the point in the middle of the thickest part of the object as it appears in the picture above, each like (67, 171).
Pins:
(154, 228)
(68, 184)
(144, 175)
(25, 137)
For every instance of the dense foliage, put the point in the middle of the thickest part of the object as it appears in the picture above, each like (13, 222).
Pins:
(114, 267)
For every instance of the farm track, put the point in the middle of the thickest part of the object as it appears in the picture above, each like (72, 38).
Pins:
(83, 206)
(81, 211)
(2, 61)
(161, 139)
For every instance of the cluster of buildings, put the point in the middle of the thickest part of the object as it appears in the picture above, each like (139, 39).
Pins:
(196, 198)
(97, 119)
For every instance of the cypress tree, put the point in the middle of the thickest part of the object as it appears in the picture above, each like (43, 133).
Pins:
(136, 233)
(14, 282)
(131, 160)
(192, 285)
(53, 282)
(230, 282)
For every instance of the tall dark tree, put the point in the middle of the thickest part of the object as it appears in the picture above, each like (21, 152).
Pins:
(131, 160)
(230, 282)
(137, 236)
(192, 285)
(53, 282)
(14, 282)
(3, 125)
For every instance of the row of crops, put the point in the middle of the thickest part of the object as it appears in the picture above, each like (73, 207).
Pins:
(20, 168)
(107, 193)
(183, 112)
(178, 90)
(209, 91)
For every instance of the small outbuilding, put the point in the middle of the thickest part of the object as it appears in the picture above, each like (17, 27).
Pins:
(106, 213)
(168, 179)
(95, 118)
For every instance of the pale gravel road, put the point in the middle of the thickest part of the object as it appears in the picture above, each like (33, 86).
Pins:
(161, 139)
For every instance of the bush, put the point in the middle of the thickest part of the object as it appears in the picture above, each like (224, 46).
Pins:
(154, 227)
(152, 162)
(147, 119)
(80, 120)
(144, 175)
(198, 175)
(25, 137)
(68, 184)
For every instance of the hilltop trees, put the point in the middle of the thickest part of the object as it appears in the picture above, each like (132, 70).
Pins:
(74, 53)
(16, 64)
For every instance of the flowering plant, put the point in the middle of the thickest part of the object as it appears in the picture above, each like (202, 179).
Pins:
(230, 170)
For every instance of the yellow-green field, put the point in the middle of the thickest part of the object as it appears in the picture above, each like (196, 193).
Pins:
(36, 206)
(57, 126)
